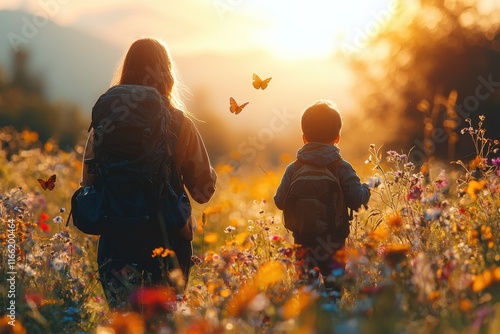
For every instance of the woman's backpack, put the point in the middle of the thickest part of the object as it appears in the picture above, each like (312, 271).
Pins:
(136, 188)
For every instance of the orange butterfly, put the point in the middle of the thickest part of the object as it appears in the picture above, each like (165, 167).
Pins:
(50, 183)
(234, 107)
(258, 83)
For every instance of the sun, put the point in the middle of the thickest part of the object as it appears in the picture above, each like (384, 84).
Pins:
(318, 28)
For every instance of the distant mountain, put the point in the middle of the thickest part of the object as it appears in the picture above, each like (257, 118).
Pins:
(75, 67)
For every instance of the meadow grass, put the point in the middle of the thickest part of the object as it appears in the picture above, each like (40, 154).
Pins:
(423, 257)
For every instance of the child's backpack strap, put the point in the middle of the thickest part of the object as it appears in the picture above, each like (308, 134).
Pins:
(332, 167)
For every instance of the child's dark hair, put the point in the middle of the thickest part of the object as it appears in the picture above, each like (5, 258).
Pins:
(321, 122)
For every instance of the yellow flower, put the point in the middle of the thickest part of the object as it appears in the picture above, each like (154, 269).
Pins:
(295, 305)
(211, 238)
(29, 136)
(242, 298)
(379, 234)
(240, 238)
(474, 187)
(465, 305)
(224, 169)
(269, 273)
(394, 221)
(434, 295)
(157, 252)
(129, 322)
(167, 252)
(5, 327)
(225, 293)
(478, 162)
(482, 281)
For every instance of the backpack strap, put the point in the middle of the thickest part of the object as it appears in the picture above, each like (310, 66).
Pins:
(332, 167)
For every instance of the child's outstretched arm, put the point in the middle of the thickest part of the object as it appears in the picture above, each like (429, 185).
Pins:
(356, 194)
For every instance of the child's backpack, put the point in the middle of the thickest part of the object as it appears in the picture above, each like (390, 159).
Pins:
(315, 202)
(136, 188)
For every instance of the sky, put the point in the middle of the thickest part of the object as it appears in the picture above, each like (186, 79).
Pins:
(306, 43)
(287, 29)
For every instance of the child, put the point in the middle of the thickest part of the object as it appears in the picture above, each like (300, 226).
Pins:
(321, 124)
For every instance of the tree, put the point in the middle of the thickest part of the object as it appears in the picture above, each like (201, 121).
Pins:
(23, 106)
(436, 63)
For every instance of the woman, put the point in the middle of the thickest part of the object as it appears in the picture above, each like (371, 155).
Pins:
(125, 262)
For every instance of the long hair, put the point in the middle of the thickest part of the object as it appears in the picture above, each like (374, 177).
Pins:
(147, 62)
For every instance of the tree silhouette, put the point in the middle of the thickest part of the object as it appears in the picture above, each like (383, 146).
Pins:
(433, 65)
(22, 77)
(23, 106)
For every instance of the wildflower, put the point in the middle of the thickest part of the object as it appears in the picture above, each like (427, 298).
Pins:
(229, 229)
(483, 281)
(153, 300)
(34, 297)
(372, 289)
(211, 238)
(269, 273)
(157, 252)
(44, 227)
(474, 187)
(434, 295)
(258, 303)
(392, 154)
(441, 181)
(478, 162)
(6, 327)
(379, 234)
(167, 252)
(432, 214)
(176, 277)
(496, 162)
(299, 302)
(241, 298)
(394, 221)
(465, 305)
(43, 218)
(129, 322)
(196, 259)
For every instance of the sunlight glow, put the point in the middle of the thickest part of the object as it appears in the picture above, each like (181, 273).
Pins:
(317, 28)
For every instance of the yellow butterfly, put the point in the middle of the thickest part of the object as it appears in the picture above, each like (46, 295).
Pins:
(234, 107)
(258, 83)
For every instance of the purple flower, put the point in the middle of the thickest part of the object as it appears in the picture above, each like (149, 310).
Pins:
(496, 161)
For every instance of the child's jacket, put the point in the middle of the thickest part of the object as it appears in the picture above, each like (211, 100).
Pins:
(355, 193)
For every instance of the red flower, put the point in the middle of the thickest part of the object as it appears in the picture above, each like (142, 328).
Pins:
(34, 297)
(42, 221)
(153, 300)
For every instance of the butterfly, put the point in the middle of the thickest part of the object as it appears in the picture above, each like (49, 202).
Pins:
(234, 107)
(50, 183)
(258, 83)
